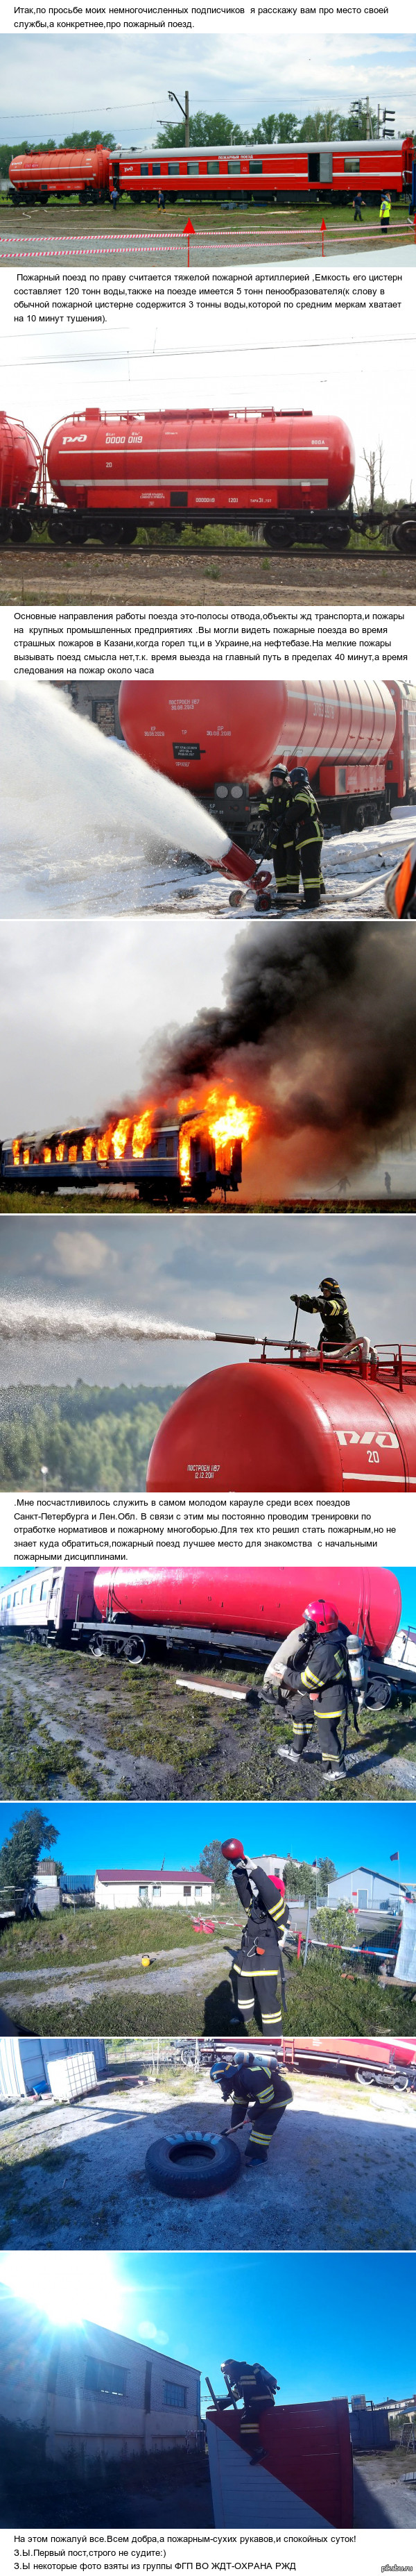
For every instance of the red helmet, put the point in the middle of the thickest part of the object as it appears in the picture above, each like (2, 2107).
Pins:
(232, 1851)
(323, 1614)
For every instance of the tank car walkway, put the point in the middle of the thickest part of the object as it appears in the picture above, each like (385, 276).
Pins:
(341, 2171)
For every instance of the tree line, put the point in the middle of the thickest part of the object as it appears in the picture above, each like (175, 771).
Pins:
(327, 125)
(88, 1437)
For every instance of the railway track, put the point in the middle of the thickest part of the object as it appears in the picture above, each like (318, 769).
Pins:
(214, 554)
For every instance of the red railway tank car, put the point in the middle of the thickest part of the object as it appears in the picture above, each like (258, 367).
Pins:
(211, 731)
(200, 465)
(20, 459)
(254, 1600)
(292, 1427)
(39, 175)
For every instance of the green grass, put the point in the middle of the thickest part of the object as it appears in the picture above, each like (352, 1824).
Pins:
(319, 2000)
(206, 1745)
(79, 1940)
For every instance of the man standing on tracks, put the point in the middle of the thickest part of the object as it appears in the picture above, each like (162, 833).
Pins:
(294, 835)
(256, 1974)
(253, 2089)
(332, 1306)
(320, 1691)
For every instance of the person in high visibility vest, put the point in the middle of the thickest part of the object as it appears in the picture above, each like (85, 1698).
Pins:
(385, 211)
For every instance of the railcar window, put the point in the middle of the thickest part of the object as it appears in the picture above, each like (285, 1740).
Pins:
(213, 169)
(170, 1145)
(156, 169)
(9, 1601)
(43, 1588)
(15, 1600)
(32, 1591)
(144, 169)
(352, 165)
(173, 169)
(233, 168)
(256, 168)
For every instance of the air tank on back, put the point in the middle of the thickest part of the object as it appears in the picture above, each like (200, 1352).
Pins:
(19, 462)
(241, 463)
(277, 1428)
(202, 731)
(250, 1599)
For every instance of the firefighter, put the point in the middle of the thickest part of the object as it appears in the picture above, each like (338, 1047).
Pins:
(321, 1695)
(256, 1973)
(245, 2083)
(385, 211)
(294, 834)
(332, 1306)
(258, 2389)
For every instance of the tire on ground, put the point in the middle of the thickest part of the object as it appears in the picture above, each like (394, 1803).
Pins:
(192, 2168)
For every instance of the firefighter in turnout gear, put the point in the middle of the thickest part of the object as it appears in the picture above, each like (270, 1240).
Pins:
(257, 2090)
(256, 1974)
(321, 1691)
(293, 835)
(258, 2389)
(332, 1306)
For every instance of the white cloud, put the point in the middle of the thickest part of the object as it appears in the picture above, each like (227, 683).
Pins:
(78, 1254)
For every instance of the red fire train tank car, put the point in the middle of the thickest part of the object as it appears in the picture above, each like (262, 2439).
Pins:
(210, 732)
(39, 175)
(241, 466)
(20, 459)
(292, 1426)
(252, 1600)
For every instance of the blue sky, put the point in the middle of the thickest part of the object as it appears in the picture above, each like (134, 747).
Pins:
(51, 88)
(224, 1274)
(119, 1837)
(359, 2310)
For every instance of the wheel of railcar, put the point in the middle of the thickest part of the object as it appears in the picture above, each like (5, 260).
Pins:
(110, 535)
(133, 1650)
(404, 536)
(77, 533)
(20, 528)
(60, 532)
(335, 537)
(127, 533)
(279, 538)
(96, 1647)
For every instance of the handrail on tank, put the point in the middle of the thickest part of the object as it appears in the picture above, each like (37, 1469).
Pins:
(359, 1357)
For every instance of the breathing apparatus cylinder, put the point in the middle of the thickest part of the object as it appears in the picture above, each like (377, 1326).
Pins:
(357, 1668)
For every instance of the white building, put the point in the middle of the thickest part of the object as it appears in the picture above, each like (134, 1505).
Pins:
(97, 2394)
(367, 1891)
(115, 1887)
(62, 2067)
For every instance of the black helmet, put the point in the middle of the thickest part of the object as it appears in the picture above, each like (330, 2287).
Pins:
(327, 1286)
(279, 775)
(299, 778)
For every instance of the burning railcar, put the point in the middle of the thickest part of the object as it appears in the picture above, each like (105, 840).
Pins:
(184, 1159)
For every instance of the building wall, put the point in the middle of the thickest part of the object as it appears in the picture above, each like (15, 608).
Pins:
(141, 1893)
(360, 1885)
(64, 2067)
(94, 2390)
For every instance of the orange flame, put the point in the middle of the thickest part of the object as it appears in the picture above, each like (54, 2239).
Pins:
(59, 1151)
(142, 1133)
(219, 1117)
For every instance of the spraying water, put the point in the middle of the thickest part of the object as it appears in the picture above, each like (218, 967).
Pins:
(36, 1319)
(69, 794)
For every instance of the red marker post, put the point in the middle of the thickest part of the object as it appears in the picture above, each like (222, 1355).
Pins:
(187, 230)
(323, 230)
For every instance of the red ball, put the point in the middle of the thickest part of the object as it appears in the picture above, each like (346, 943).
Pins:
(232, 1851)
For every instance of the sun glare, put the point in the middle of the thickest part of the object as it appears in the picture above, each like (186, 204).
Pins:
(67, 2287)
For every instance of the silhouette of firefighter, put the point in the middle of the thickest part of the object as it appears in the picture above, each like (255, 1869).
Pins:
(256, 1974)
(259, 2091)
(331, 1305)
(257, 2388)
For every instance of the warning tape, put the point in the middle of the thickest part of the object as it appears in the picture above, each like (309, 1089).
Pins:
(124, 245)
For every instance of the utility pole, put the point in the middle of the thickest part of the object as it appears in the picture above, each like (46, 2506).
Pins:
(184, 111)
